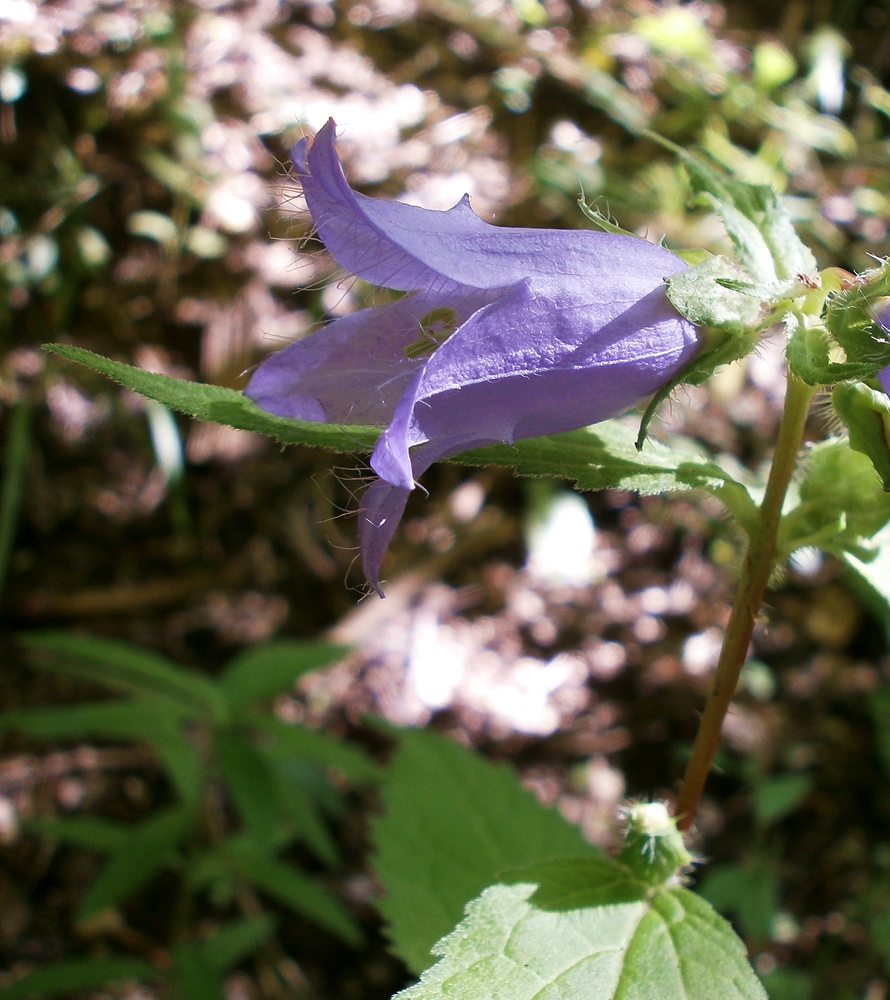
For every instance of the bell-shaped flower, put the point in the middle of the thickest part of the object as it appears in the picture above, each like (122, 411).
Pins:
(506, 334)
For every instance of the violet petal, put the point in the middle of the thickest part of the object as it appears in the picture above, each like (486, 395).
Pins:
(404, 247)
(528, 365)
(884, 373)
(355, 369)
(379, 516)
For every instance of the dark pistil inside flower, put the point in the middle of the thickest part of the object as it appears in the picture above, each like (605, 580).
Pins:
(435, 328)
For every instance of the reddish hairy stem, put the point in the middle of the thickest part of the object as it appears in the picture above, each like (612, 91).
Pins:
(753, 580)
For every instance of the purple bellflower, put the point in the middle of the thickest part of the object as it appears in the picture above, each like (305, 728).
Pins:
(506, 334)
(884, 373)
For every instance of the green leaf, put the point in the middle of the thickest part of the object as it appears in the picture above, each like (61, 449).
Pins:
(87, 831)
(122, 720)
(760, 229)
(262, 672)
(748, 241)
(866, 415)
(452, 823)
(150, 847)
(599, 457)
(749, 891)
(850, 316)
(809, 354)
(605, 456)
(222, 406)
(251, 785)
(841, 504)
(194, 979)
(587, 930)
(717, 294)
(778, 796)
(602, 221)
(289, 886)
(290, 742)
(306, 797)
(869, 575)
(183, 761)
(233, 942)
(787, 983)
(76, 974)
(124, 667)
(199, 966)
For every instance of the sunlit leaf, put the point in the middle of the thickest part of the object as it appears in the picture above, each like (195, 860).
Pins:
(599, 457)
(452, 824)
(587, 930)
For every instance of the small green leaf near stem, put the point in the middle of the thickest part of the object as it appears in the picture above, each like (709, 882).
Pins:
(756, 569)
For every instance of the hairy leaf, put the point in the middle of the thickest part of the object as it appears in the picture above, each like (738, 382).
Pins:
(452, 824)
(599, 457)
(222, 406)
(587, 930)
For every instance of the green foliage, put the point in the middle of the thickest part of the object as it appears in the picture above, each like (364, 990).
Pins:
(213, 738)
(721, 295)
(199, 967)
(779, 795)
(587, 929)
(599, 457)
(77, 974)
(561, 918)
(869, 575)
(452, 824)
(789, 984)
(749, 890)
(841, 506)
(224, 406)
(866, 415)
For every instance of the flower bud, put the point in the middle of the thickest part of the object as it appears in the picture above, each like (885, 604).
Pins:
(866, 414)
(653, 848)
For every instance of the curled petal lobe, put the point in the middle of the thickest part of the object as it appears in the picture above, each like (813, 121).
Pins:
(506, 333)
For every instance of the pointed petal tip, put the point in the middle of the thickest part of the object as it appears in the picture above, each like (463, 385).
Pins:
(381, 511)
(299, 154)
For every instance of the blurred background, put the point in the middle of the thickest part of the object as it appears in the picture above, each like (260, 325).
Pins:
(148, 212)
